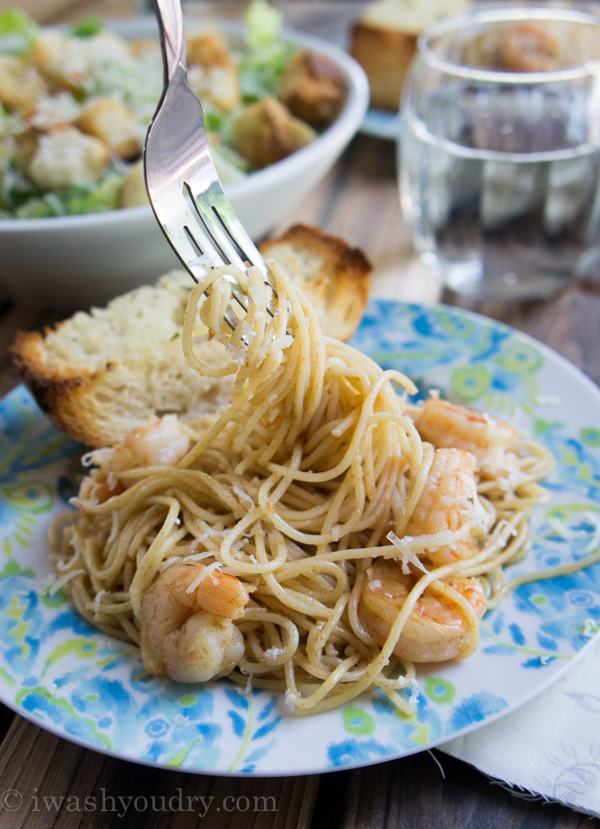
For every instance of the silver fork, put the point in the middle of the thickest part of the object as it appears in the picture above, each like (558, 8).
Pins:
(182, 182)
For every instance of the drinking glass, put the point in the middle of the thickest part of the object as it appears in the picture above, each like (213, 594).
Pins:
(499, 151)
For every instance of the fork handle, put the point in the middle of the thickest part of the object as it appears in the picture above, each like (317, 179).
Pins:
(170, 18)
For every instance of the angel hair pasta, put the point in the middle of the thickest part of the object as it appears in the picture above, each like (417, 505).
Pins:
(320, 535)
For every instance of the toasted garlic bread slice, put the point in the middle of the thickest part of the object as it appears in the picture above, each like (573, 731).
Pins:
(334, 276)
(98, 375)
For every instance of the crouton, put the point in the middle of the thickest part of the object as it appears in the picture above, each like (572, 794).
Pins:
(112, 122)
(212, 73)
(133, 189)
(20, 84)
(266, 132)
(62, 60)
(313, 88)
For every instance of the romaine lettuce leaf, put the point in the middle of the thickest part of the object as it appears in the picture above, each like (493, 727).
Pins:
(97, 199)
(267, 56)
(263, 24)
(18, 31)
(88, 27)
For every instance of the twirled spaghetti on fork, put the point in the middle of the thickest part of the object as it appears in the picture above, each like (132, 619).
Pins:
(319, 536)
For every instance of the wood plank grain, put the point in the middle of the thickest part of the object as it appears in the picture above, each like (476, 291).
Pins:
(438, 792)
(62, 784)
(567, 323)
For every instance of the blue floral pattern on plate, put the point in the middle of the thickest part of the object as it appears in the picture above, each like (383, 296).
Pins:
(76, 682)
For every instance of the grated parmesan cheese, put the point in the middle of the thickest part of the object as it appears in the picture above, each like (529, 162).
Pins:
(407, 556)
(198, 556)
(203, 261)
(243, 495)
(247, 689)
(207, 571)
(283, 342)
(98, 600)
(259, 293)
(168, 562)
(290, 699)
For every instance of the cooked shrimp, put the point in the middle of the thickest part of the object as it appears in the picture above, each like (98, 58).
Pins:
(440, 626)
(444, 424)
(158, 441)
(187, 630)
(447, 502)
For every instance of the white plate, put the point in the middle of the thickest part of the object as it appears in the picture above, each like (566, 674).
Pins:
(78, 261)
(80, 684)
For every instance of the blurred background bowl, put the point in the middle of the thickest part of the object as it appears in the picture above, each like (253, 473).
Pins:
(76, 261)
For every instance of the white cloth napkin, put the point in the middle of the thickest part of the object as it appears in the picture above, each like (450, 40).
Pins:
(549, 747)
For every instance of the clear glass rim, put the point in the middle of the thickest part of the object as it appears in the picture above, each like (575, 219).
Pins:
(507, 15)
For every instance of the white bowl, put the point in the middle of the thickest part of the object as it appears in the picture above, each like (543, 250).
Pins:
(77, 261)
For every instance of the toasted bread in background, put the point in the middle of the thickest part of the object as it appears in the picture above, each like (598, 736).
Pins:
(98, 375)
(384, 39)
(334, 276)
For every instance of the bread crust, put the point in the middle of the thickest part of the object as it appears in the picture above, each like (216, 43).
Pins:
(63, 396)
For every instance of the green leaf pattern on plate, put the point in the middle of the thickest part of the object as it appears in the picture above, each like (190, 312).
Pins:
(91, 689)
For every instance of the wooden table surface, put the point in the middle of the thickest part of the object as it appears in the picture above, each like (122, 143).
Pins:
(53, 778)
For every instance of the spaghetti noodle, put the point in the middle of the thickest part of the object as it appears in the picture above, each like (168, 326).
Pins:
(307, 538)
